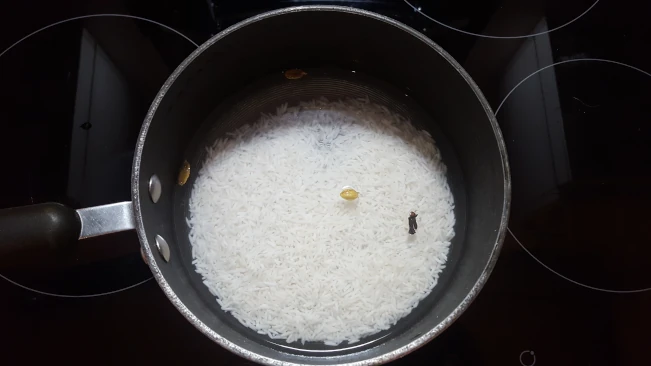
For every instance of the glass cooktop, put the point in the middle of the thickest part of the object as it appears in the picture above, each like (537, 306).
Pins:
(569, 81)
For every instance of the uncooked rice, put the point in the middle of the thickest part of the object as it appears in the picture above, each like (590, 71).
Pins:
(286, 255)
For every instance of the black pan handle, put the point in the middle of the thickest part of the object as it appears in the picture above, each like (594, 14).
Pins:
(53, 226)
(45, 226)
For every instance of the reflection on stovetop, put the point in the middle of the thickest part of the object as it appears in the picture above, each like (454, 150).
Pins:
(571, 102)
(583, 125)
(79, 92)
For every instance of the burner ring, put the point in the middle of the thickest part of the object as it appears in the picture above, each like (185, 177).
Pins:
(418, 10)
(39, 31)
(509, 229)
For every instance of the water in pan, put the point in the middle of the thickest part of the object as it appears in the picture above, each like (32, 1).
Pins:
(264, 96)
(286, 256)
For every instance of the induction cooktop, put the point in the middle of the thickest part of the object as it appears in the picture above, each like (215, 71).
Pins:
(569, 81)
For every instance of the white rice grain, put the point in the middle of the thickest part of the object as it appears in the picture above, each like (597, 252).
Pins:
(286, 256)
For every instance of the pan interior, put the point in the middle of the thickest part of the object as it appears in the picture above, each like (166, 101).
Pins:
(264, 96)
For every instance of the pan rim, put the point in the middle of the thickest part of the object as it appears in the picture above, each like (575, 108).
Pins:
(383, 358)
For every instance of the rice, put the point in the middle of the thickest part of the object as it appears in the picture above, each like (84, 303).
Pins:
(286, 255)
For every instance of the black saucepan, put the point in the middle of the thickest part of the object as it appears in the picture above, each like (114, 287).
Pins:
(237, 75)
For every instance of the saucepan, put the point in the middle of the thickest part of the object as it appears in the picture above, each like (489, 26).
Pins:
(239, 74)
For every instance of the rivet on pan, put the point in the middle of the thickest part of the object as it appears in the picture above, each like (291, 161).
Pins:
(155, 188)
(184, 173)
(163, 248)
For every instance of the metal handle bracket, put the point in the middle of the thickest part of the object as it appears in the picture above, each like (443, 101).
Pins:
(106, 219)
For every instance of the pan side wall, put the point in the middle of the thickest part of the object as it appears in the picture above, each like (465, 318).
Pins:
(350, 42)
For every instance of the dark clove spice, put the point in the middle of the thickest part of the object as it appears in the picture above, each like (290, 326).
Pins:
(413, 225)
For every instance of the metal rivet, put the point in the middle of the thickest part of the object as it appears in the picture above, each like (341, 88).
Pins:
(155, 188)
(163, 248)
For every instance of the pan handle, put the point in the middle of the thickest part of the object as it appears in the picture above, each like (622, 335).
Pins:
(53, 226)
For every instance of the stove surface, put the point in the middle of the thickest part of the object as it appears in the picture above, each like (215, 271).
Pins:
(569, 82)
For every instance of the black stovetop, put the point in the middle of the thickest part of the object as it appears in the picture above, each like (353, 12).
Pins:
(570, 83)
